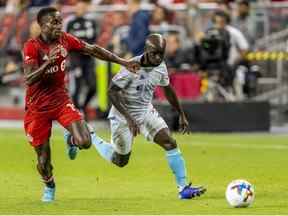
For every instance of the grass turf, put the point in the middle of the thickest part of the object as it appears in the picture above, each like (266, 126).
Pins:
(90, 185)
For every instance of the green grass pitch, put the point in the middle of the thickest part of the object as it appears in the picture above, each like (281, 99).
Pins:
(90, 185)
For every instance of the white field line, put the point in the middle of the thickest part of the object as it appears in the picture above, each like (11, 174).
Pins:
(241, 146)
(167, 215)
(161, 214)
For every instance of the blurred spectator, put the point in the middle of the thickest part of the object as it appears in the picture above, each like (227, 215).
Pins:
(239, 44)
(224, 6)
(38, 3)
(210, 56)
(161, 20)
(138, 29)
(12, 6)
(244, 22)
(160, 16)
(108, 2)
(2, 3)
(65, 2)
(221, 6)
(174, 57)
(110, 21)
(15, 27)
(167, 2)
(82, 66)
(238, 50)
(34, 29)
(193, 21)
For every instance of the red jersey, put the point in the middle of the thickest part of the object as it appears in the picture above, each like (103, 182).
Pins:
(50, 91)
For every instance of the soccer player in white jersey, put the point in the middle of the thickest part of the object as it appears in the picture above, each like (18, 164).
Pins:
(133, 113)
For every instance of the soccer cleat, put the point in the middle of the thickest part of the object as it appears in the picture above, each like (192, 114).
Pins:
(190, 192)
(48, 194)
(71, 149)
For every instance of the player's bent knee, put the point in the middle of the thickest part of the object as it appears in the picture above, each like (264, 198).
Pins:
(120, 160)
(83, 142)
(169, 144)
(87, 145)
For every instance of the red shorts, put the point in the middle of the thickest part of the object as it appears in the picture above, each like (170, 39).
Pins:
(38, 125)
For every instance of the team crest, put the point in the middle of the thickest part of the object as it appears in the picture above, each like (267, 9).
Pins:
(63, 52)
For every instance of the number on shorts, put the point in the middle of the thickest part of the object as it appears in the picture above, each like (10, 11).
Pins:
(72, 106)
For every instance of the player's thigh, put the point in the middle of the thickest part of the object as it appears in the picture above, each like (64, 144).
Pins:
(71, 119)
(121, 136)
(68, 114)
(152, 124)
(37, 128)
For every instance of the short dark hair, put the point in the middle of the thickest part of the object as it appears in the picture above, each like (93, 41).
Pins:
(44, 12)
(244, 2)
(85, 1)
(222, 14)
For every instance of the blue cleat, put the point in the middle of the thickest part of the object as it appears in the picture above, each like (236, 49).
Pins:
(190, 192)
(71, 149)
(48, 194)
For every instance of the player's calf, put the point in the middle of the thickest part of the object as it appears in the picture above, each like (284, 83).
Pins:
(82, 141)
(120, 160)
(164, 139)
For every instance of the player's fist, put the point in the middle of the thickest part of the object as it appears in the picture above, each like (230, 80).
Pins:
(53, 54)
(132, 65)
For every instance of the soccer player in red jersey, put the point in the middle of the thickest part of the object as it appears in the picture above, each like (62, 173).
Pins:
(46, 96)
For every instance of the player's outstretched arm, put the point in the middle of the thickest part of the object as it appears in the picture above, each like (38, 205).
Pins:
(33, 73)
(173, 100)
(114, 93)
(103, 54)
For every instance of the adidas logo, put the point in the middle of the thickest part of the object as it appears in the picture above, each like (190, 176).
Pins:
(45, 58)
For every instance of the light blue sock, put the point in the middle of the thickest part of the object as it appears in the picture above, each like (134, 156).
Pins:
(104, 149)
(177, 165)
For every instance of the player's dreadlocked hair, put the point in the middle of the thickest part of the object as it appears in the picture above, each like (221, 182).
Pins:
(44, 12)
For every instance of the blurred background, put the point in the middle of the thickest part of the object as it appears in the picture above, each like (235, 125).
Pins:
(227, 60)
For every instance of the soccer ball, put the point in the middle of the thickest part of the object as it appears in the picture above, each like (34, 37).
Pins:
(240, 193)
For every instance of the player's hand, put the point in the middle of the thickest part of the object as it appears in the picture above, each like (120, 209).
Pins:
(53, 54)
(133, 126)
(183, 124)
(132, 65)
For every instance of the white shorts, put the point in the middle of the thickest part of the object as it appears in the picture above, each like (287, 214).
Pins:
(121, 136)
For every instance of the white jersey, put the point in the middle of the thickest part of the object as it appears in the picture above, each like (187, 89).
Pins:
(138, 89)
(238, 42)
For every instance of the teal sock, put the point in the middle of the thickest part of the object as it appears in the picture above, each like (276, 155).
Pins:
(177, 165)
(104, 149)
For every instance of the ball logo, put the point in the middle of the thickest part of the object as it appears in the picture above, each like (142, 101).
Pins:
(240, 193)
(240, 188)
